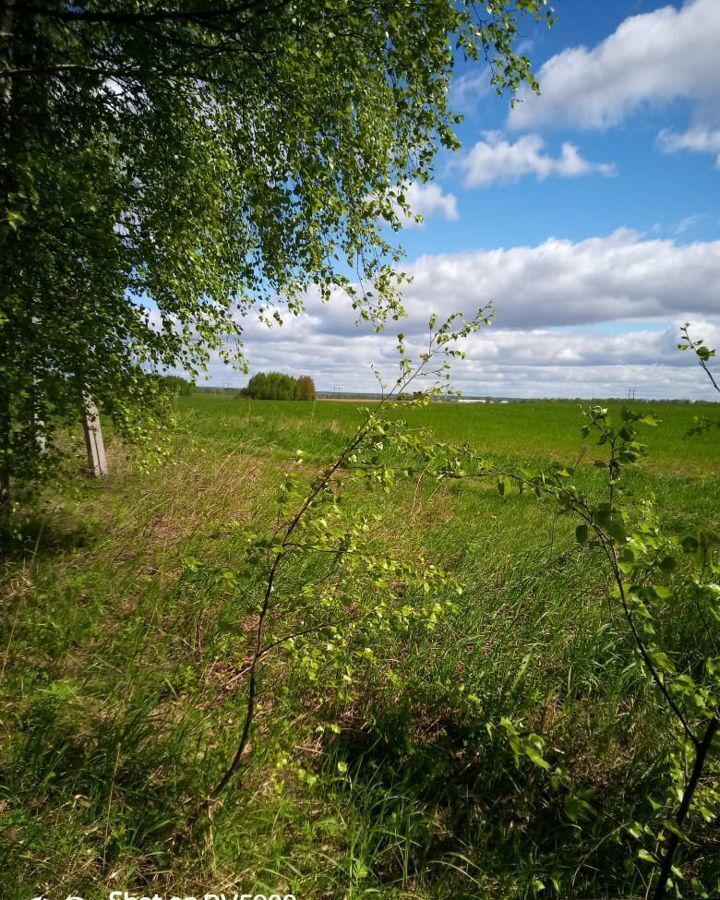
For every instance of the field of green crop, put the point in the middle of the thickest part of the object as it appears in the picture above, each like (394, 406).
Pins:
(128, 617)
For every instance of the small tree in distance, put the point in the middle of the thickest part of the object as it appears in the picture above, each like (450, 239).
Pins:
(278, 386)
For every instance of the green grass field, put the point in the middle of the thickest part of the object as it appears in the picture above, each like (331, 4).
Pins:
(128, 615)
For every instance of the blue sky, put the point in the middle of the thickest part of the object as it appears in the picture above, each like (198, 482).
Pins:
(589, 215)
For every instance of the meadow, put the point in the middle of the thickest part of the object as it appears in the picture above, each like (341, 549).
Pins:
(129, 606)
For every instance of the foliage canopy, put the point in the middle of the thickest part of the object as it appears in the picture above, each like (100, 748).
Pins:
(168, 166)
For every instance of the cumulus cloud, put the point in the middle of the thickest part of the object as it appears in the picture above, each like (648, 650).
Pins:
(502, 362)
(641, 362)
(653, 58)
(497, 159)
(562, 349)
(621, 276)
(428, 200)
(469, 89)
(558, 283)
(697, 139)
(549, 337)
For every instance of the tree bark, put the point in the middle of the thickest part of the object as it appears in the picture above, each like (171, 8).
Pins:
(97, 463)
(6, 26)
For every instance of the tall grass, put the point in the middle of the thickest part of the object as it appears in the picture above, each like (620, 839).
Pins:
(127, 621)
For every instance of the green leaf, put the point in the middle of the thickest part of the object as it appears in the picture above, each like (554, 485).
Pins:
(504, 486)
(535, 756)
(15, 219)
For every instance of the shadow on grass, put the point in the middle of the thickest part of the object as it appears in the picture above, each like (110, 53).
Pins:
(91, 796)
(447, 806)
(38, 533)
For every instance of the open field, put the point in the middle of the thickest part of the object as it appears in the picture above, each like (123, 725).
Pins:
(128, 618)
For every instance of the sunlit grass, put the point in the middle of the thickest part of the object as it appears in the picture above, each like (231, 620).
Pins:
(123, 647)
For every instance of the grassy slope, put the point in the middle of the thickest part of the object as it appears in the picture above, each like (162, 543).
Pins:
(122, 658)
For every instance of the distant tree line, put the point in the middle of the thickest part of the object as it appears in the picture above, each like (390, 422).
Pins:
(278, 386)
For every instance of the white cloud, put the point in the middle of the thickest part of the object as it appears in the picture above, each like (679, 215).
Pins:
(469, 89)
(551, 336)
(622, 276)
(582, 362)
(689, 223)
(428, 200)
(697, 139)
(653, 58)
(496, 159)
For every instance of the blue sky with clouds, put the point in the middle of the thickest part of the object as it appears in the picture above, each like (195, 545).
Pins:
(589, 215)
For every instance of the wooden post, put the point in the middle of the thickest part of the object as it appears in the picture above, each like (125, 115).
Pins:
(97, 463)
